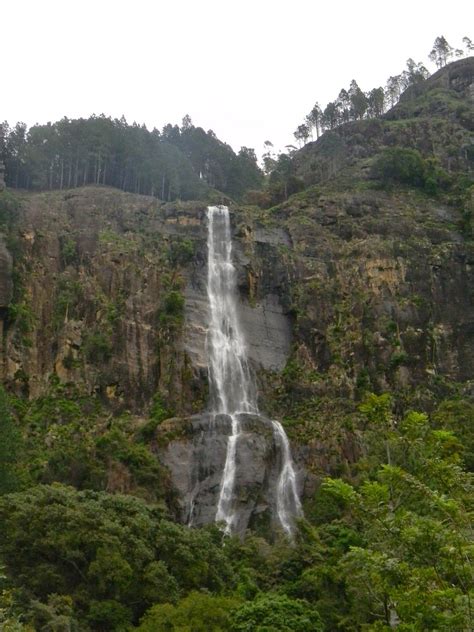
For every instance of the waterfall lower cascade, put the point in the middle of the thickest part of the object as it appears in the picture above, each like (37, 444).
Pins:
(232, 387)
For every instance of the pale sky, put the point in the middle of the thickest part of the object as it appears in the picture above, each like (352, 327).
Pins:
(248, 69)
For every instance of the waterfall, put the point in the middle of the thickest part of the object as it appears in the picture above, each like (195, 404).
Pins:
(232, 387)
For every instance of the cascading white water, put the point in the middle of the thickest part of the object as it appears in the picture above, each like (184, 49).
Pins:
(232, 388)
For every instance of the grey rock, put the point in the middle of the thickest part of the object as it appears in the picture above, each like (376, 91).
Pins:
(196, 459)
(267, 332)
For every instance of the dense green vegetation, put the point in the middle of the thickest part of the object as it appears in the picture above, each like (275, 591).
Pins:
(391, 543)
(178, 162)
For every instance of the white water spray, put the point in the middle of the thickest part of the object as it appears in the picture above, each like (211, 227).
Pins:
(232, 388)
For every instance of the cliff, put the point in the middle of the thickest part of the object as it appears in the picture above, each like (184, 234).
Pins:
(346, 288)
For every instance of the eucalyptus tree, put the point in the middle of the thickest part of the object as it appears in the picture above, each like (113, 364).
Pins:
(441, 52)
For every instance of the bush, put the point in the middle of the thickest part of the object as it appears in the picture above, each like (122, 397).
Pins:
(172, 310)
(199, 612)
(278, 613)
(180, 252)
(399, 165)
(97, 348)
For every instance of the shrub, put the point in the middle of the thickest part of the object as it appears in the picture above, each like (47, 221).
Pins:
(172, 310)
(97, 347)
(278, 613)
(400, 165)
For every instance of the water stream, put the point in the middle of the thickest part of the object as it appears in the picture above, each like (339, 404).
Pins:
(232, 387)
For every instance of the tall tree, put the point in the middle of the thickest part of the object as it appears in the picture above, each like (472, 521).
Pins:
(302, 134)
(441, 52)
(315, 117)
(331, 116)
(358, 100)
(413, 74)
(393, 89)
(469, 46)
(344, 105)
(376, 102)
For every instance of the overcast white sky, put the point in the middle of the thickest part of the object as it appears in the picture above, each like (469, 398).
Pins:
(248, 69)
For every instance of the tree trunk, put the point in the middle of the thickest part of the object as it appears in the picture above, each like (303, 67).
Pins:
(61, 177)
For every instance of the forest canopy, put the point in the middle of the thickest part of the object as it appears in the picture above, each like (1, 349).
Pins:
(176, 163)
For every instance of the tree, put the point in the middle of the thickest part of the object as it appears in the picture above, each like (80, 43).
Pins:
(393, 89)
(415, 73)
(302, 134)
(199, 612)
(469, 46)
(376, 102)
(268, 157)
(331, 116)
(315, 118)
(278, 613)
(400, 165)
(358, 101)
(441, 52)
(413, 565)
(186, 123)
(344, 105)
(114, 555)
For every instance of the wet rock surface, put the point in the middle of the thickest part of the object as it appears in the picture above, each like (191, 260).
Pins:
(195, 452)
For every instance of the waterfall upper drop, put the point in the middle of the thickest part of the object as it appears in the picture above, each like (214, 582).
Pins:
(232, 387)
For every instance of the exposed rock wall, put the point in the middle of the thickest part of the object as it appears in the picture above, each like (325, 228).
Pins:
(93, 271)
(194, 450)
(340, 292)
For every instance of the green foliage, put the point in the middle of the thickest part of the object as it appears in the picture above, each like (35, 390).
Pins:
(97, 347)
(171, 314)
(23, 316)
(71, 438)
(9, 209)
(199, 612)
(56, 615)
(457, 415)
(11, 618)
(277, 613)
(180, 252)
(172, 164)
(10, 444)
(399, 165)
(413, 513)
(69, 299)
(158, 413)
(68, 250)
(113, 555)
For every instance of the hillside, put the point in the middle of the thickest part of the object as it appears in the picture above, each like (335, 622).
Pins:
(434, 117)
(356, 301)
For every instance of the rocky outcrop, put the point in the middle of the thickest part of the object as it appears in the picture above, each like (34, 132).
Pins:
(341, 291)
(194, 450)
(263, 278)
(95, 269)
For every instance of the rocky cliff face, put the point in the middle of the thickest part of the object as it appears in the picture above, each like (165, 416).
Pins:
(341, 292)
(344, 289)
(194, 451)
(94, 271)
(110, 295)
